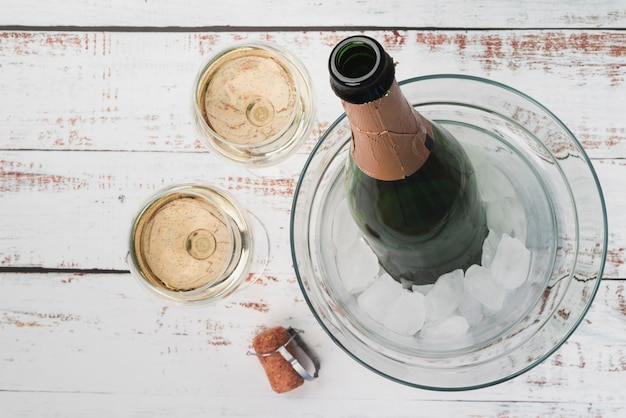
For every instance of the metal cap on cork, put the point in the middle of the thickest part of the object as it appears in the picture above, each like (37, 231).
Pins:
(390, 140)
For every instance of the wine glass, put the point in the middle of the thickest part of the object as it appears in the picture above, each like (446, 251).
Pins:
(193, 244)
(253, 104)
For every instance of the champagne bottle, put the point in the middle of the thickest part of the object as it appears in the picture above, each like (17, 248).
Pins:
(409, 184)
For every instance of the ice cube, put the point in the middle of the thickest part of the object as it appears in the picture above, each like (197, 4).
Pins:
(453, 326)
(422, 288)
(511, 263)
(492, 183)
(490, 245)
(483, 288)
(471, 310)
(445, 296)
(507, 216)
(377, 298)
(487, 312)
(406, 314)
(518, 220)
(344, 231)
(357, 267)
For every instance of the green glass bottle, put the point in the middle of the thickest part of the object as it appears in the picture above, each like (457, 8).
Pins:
(409, 184)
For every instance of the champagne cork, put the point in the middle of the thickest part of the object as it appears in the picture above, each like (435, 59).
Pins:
(276, 351)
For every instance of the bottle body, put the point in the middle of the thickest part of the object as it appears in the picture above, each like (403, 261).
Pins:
(427, 224)
(410, 186)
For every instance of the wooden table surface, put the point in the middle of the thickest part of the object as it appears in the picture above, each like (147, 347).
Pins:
(95, 117)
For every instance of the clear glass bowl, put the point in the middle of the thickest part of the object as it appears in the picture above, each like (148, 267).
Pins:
(557, 187)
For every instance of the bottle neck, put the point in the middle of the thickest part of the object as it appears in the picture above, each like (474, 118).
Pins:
(360, 70)
(390, 140)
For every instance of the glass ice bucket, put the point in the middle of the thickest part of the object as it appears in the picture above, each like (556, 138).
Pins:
(538, 185)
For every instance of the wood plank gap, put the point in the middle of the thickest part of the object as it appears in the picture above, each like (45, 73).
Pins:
(63, 392)
(45, 270)
(185, 151)
(226, 28)
(138, 151)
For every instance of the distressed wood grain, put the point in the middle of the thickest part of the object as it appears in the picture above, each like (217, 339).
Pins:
(81, 92)
(74, 209)
(109, 404)
(109, 340)
(391, 13)
(95, 118)
(108, 91)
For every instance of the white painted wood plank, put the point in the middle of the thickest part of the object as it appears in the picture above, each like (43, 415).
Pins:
(106, 117)
(100, 343)
(394, 13)
(47, 405)
(611, 180)
(130, 91)
(74, 209)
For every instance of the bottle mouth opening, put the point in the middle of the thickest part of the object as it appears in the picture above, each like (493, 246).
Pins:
(355, 59)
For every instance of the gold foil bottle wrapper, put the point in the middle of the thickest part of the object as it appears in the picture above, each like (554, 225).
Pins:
(390, 140)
